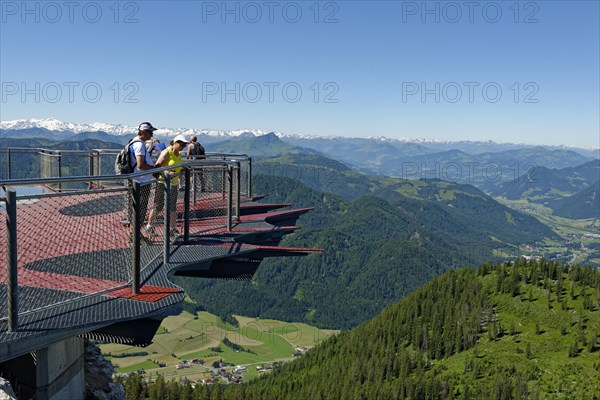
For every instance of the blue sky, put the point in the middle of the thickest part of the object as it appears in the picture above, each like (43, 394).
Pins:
(506, 71)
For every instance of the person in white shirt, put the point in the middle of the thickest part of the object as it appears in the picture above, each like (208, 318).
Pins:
(141, 161)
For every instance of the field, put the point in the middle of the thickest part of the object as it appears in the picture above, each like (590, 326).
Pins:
(577, 234)
(186, 337)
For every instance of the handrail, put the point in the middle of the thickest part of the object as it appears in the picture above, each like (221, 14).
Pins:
(41, 181)
(58, 163)
(38, 149)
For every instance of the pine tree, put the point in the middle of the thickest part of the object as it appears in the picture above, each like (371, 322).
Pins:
(573, 350)
(592, 343)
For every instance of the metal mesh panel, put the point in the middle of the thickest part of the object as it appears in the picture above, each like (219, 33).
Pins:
(104, 165)
(177, 205)
(19, 163)
(69, 164)
(208, 198)
(106, 162)
(49, 165)
(245, 177)
(151, 244)
(235, 193)
(245, 169)
(72, 243)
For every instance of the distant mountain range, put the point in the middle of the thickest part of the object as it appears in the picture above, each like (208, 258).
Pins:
(57, 126)
(543, 184)
(539, 173)
(328, 145)
(583, 204)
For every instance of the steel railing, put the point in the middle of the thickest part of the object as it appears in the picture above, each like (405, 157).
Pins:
(24, 163)
(245, 166)
(98, 216)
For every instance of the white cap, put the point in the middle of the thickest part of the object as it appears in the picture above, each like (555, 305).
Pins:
(180, 138)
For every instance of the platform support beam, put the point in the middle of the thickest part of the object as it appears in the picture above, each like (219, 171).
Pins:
(186, 204)
(136, 224)
(11, 243)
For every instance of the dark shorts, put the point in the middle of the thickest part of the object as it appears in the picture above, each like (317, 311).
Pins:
(159, 197)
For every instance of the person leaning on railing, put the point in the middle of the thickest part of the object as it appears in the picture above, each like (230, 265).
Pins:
(141, 161)
(168, 157)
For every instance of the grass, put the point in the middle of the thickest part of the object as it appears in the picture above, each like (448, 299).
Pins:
(185, 336)
(142, 365)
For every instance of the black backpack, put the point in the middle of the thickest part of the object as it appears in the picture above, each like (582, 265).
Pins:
(123, 163)
(199, 149)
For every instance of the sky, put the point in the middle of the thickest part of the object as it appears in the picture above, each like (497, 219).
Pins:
(507, 71)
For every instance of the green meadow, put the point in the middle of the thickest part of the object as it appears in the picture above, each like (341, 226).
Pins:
(185, 337)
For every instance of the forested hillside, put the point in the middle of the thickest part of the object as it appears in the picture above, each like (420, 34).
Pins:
(583, 204)
(527, 330)
(376, 252)
(544, 185)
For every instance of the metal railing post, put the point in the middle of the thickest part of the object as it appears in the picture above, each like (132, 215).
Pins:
(229, 196)
(167, 222)
(195, 187)
(91, 164)
(59, 170)
(136, 223)
(238, 189)
(91, 168)
(9, 164)
(11, 240)
(249, 189)
(224, 180)
(186, 205)
(43, 164)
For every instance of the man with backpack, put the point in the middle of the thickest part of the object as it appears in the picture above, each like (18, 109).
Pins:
(195, 151)
(140, 160)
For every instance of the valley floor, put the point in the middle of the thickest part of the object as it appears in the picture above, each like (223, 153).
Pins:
(581, 237)
(188, 346)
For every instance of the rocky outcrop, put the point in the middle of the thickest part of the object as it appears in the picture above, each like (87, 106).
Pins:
(98, 376)
(6, 390)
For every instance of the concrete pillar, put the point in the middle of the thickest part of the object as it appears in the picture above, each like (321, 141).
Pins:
(55, 372)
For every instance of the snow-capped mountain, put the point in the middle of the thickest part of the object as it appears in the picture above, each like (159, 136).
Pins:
(53, 124)
(66, 128)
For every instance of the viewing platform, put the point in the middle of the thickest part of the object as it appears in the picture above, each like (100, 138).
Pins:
(78, 261)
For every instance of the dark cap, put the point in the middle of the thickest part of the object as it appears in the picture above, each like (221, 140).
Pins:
(146, 126)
